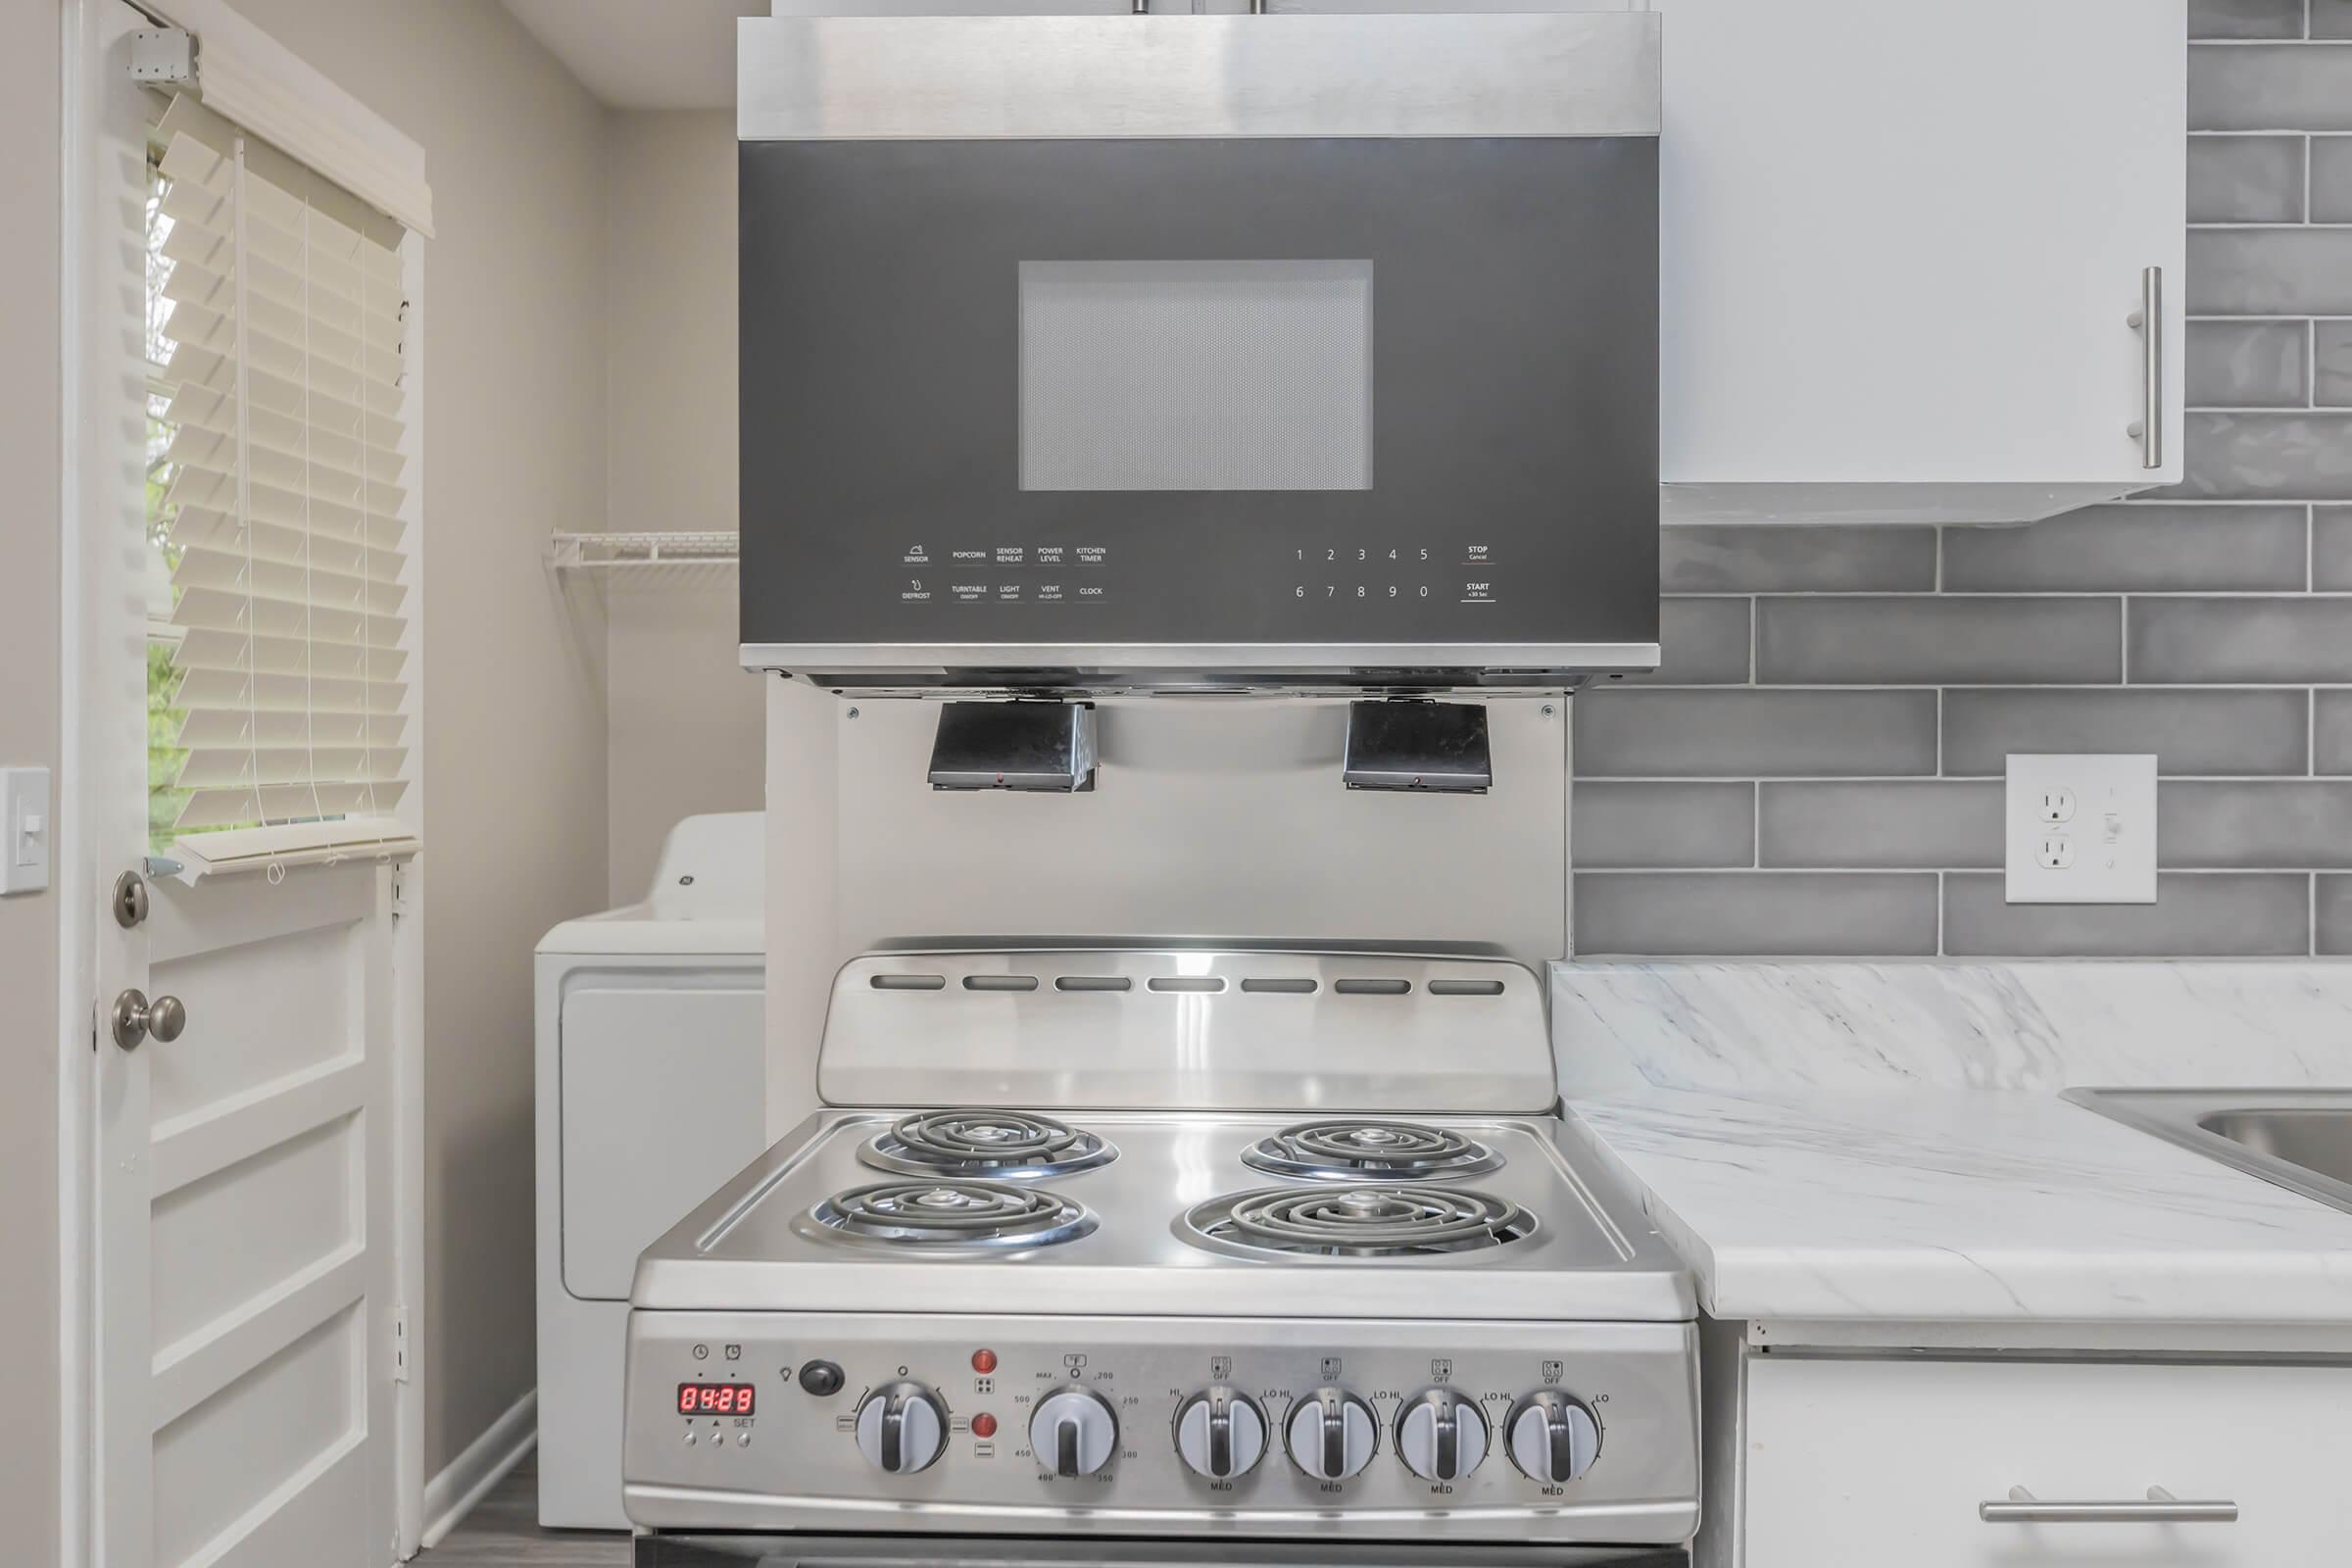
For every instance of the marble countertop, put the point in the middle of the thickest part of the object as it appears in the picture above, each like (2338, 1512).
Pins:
(1937, 1204)
(1878, 1142)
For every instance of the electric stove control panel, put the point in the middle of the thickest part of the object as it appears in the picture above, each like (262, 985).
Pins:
(1557, 1431)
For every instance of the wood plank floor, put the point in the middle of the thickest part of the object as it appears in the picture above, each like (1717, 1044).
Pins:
(503, 1532)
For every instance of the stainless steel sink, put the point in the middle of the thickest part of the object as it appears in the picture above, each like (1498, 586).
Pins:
(2300, 1139)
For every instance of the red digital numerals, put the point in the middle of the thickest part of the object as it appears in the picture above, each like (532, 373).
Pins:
(715, 1398)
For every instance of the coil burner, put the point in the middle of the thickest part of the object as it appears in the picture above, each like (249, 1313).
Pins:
(1353, 1149)
(1003, 1145)
(949, 1215)
(1367, 1222)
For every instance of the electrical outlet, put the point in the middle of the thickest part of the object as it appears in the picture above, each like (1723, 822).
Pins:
(2081, 828)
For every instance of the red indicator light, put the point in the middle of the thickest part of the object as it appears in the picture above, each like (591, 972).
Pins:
(984, 1361)
(984, 1425)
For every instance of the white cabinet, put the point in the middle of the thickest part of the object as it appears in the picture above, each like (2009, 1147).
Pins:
(1900, 241)
(1867, 1462)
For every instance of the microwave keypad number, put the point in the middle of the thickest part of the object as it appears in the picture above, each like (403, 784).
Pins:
(1048, 574)
(1396, 573)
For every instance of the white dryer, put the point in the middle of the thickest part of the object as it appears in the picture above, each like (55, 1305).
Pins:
(652, 1089)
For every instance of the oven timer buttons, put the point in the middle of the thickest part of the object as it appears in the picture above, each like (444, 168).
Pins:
(1220, 1433)
(1552, 1438)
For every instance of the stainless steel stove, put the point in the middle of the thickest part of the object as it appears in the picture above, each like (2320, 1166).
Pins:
(1238, 1253)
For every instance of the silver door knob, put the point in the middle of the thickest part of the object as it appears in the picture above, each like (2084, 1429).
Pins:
(135, 1018)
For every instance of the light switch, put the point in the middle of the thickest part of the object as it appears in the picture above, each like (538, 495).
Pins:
(25, 819)
(2081, 828)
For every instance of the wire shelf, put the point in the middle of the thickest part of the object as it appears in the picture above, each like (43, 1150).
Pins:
(710, 550)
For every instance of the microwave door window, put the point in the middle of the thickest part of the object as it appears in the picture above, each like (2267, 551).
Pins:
(1195, 375)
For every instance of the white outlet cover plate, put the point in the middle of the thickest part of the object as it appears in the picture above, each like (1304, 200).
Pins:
(2109, 801)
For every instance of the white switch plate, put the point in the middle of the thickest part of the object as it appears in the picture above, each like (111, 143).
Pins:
(2081, 828)
(26, 829)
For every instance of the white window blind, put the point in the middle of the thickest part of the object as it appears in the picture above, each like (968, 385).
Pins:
(286, 509)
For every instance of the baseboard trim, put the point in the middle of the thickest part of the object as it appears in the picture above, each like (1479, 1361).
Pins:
(464, 1482)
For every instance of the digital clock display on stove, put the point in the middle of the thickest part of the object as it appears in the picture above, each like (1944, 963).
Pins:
(715, 1398)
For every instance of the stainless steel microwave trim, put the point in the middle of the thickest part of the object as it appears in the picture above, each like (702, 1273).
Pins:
(1329, 658)
(706, 1549)
(865, 78)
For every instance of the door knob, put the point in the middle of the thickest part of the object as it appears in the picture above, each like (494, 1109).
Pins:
(135, 1018)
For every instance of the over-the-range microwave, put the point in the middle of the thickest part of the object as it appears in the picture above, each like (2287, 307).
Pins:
(1098, 352)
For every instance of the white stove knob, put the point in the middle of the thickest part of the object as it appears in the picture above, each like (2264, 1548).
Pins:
(1073, 1432)
(1220, 1434)
(1442, 1435)
(1331, 1434)
(1554, 1438)
(902, 1428)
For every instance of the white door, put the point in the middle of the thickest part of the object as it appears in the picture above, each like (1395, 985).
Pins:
(243, 1350)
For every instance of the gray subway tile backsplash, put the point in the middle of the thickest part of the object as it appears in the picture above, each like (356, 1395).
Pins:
(1701, 642)
(2207, 641)
(1776, 913)
(2331, 180)
(1928, 824)
(2245, 180)
(1843, 796)
(2127, 547)
(2259, 734)
(2331, 732)
(2331, 902)
(2331, 548)
(2331, 363)
(1811, 558)
(1631, 733)
(2267, 86)
(2247, 364)
(1932, 640)
(2269, 457)
(2233, 914)
(2254, 825)
(1660, 824)
(2270, 271)
(2245, 18)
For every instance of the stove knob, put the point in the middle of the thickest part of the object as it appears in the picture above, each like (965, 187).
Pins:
(1331, 1435)
(1442, 1435)
(1073, 1432)
(902, 1428)
(1220, 1434)
(1554, 1438)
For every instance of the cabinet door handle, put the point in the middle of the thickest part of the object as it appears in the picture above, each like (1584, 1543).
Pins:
(2022, 1507)
(2148, 321)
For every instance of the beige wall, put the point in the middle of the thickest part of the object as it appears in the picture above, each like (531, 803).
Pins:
(29, 672)
(513, 734)
(686, 723)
